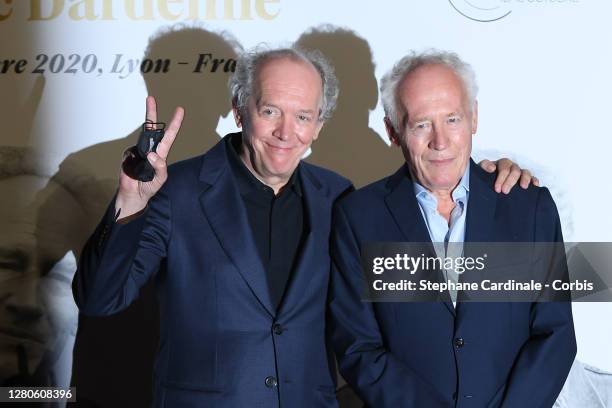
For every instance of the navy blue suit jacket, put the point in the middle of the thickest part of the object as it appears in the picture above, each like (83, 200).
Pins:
(222, 343)
(430, 354)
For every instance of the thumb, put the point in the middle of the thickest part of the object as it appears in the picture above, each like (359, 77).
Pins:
(153, 158)
(159, 164)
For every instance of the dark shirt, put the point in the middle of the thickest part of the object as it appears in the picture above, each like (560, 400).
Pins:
(277, 221)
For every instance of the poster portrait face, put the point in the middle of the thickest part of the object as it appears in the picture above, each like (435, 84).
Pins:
(24, 327)
(37, 313)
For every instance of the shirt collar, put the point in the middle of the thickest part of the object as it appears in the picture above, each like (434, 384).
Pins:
(247, 182)
(460, 193)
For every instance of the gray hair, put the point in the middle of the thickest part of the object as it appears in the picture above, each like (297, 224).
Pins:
(241, 84)
(392, 80)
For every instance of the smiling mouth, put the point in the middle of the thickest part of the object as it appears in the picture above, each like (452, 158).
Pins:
(440, 162)
(279, 148)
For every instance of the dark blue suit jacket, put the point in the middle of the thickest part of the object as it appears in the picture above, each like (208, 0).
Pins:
(429, 354)
(222, 343)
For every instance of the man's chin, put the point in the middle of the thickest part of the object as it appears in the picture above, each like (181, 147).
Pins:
(443, 179)
(283, 170)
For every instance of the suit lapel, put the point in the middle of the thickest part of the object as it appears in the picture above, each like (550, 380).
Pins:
(224, 210)
(316, 234)
(481, 206)
(404, 208)
(479, 225)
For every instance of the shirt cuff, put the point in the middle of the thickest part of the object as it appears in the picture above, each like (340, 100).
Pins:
(129, 218)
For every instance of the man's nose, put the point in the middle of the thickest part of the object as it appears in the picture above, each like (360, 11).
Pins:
(439, 138)
(284, 128)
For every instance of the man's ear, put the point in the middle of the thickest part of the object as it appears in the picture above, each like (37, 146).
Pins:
(393, 136)
(475, 117)
(237, 115)
(318, 129)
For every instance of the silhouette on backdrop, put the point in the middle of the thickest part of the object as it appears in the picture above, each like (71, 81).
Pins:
(347, 144)
(117, 351)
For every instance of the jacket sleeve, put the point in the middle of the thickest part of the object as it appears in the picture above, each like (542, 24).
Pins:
(118, 259)
(375, 374)
(544, 362)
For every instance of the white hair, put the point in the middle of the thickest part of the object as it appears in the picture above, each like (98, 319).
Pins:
(241, 84)
(392, 80)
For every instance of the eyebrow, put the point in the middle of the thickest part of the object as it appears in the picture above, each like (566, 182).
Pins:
(271, 105)
(261, 104)
(408, 120)
(424, 118)
(309, 111)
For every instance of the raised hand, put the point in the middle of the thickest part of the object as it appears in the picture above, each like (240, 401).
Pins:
(133, 195)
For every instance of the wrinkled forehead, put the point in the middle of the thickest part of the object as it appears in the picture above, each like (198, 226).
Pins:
(429, 82)
(288, 72)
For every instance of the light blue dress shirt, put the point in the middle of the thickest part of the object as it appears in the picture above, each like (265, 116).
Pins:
(447, 239)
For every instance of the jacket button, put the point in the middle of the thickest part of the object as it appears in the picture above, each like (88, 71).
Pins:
(459, 342)
(277, 328)
(271, 382)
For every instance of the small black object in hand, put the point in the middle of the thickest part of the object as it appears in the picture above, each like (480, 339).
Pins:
(135, 163)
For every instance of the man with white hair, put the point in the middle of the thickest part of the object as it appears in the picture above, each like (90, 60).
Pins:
(446, 353)
(237, 242)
